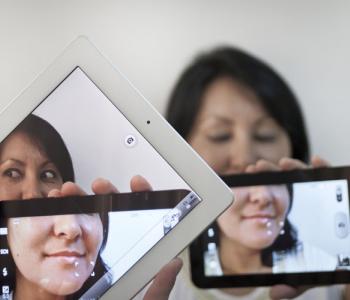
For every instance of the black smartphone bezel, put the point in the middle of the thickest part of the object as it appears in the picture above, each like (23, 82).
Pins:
(181, 199)
(268, 279)
(85, 204)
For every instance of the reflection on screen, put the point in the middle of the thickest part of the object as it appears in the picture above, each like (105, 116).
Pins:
(282, 228)
(76, 134)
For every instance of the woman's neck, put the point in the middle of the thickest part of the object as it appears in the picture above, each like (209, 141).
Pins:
(235, 258)
(238, 259)
(30, 291)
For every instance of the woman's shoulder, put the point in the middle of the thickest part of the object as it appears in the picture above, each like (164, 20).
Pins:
(187, 291)
(334, 292)
(184, 289)
(304, 258)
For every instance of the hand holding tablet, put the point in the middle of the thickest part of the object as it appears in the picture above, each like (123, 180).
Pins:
(72, 124)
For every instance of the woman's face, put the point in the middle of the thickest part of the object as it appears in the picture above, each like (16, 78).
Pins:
(231, 131)
(25, 171)
(257, 215)
(54, 254)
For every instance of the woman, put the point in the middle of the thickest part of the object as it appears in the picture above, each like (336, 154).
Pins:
(53, 255)
(240, 116)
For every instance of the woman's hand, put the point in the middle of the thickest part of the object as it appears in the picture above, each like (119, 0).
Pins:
(100, 186)
(286, 164)
(164, 281)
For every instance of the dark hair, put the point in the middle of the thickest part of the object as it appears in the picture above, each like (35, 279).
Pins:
(272, 92)
(50, 142)
(269, 87)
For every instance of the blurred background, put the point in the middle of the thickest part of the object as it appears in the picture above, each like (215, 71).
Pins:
(308, 42)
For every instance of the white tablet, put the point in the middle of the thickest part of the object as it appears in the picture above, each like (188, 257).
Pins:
(79, 120)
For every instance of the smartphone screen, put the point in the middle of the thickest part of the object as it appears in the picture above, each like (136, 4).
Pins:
(288, 223)
(43, 229)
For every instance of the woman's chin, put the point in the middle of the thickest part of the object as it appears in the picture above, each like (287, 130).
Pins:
(63, 287)
(259, 241)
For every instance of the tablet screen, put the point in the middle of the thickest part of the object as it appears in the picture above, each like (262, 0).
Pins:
(291, 228)
(77, 134)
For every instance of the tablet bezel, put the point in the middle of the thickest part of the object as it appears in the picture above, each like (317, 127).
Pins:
(268, 279)
(181, 157)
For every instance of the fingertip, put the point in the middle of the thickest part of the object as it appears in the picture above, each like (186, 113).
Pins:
(103, 186)
(138, 184)
(99, 181)
(282, 291)
(285, 163)
(164, 281)
(67, 187)
(318, 162)
(177, 264)
(96, 184)
(70, 188)
(289, 164)
(54, 193)
(263, 165)
(68, 184)
(139, 178)
(250, 169)
(283, 160)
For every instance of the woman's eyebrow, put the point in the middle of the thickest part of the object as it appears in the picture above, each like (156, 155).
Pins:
(265, 119)
(218, 118)
(47, 162)
(12, 160)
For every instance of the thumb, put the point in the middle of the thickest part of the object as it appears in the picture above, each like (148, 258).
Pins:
(164, 281)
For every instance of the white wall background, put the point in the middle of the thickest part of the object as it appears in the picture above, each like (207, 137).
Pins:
(152, 41)
(96, 141)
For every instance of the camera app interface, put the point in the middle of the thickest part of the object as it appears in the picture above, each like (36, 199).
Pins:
(77, 143)
(283, 228)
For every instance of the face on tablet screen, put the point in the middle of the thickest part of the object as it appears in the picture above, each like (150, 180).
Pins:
(76, 134)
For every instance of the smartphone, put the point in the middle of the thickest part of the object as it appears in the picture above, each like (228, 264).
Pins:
(87, 238)
(283, 228)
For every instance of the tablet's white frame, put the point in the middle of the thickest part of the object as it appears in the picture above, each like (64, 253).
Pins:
(215, 194)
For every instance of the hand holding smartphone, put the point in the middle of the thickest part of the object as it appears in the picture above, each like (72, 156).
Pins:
(283, 228)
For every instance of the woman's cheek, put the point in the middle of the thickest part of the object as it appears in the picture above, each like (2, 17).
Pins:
(214, 155)
(221, 163)
(230, 217)
(283, 201)
(241, 195)
(24, 238)
(93, 231)
(228, 221)
(29, 230)
(9, 191)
